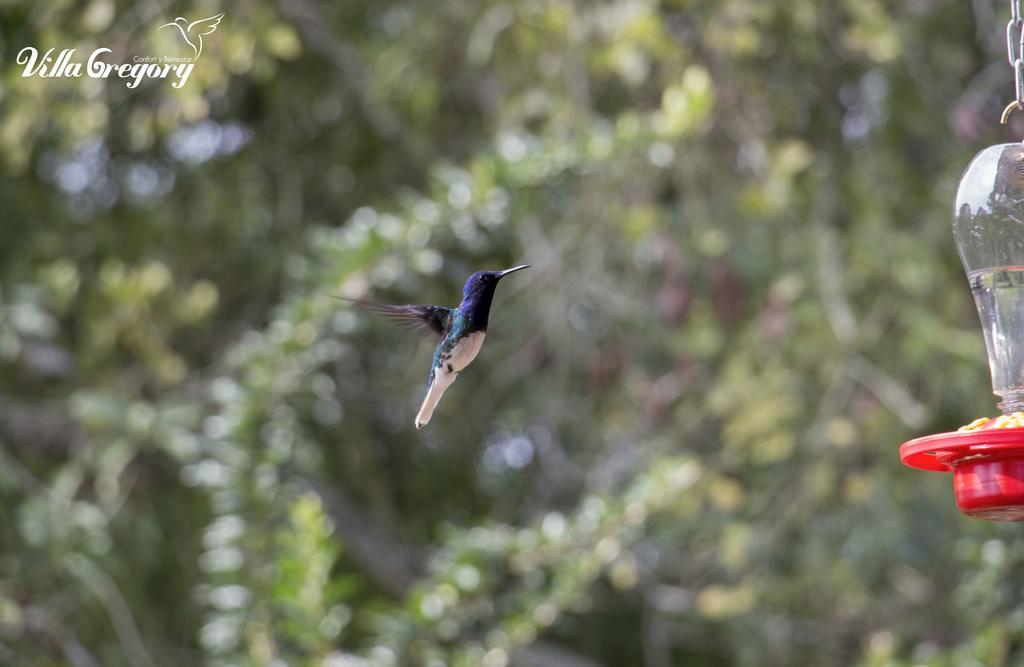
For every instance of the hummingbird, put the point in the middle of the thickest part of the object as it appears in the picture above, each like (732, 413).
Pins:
(196, 29)
(461, 331)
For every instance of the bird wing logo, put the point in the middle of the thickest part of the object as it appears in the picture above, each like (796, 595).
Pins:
(193, 32)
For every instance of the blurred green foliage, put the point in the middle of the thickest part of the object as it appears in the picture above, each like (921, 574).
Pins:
(679, 446)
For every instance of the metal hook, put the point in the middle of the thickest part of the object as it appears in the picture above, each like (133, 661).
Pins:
(1008, 110)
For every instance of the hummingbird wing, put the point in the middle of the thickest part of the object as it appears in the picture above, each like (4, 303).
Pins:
(434, 318)
(205, 26)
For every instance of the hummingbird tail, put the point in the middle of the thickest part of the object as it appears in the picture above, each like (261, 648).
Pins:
(442, 380)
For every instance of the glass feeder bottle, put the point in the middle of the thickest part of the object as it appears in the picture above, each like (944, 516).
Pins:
(988, 227)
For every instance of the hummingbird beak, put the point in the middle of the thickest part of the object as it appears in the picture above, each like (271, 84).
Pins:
(513, 270)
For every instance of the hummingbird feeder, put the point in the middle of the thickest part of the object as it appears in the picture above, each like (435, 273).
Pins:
(986, 457)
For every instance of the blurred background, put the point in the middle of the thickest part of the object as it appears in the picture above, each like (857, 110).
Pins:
(679, 445)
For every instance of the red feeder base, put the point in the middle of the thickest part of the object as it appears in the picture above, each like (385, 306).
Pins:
(987, 466)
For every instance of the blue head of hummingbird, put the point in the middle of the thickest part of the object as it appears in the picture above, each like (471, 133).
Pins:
(461, 331)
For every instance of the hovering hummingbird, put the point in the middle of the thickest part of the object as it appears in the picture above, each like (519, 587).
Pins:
(195, 29)
(461, 331)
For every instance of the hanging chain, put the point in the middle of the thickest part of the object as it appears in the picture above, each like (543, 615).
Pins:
(1015, 55)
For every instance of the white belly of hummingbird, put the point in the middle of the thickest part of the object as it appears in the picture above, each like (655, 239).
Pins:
(460, 356)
